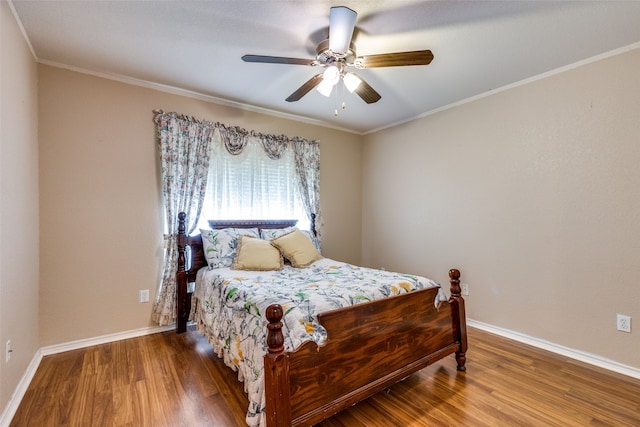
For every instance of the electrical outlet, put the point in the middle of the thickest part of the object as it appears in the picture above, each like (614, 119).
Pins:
(465, 288)
(623, 323)
(8, 351)
(143, 295)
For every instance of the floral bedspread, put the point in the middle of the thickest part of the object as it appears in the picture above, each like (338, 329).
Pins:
(230, 305)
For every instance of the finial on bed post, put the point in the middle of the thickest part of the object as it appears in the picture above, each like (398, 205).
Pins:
(313, 224)
(182, 234)
(182, 227)
(458, 303)
(454, 280)
(275, 339)
(182, 315)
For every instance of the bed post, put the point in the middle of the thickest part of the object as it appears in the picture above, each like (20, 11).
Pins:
(276, 372)
(460, 327)
(313, 224)
(182, 311)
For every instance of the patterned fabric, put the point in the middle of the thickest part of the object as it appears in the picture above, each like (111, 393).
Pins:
(220, 245)
(235, 138)
(272, 233)
(184, 152)
(308, 171)
(230, 307)
(274, 145)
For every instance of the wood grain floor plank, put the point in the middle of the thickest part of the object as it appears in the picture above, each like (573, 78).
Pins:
(176, 380)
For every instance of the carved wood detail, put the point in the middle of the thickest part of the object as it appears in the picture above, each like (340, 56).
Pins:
(370, 346)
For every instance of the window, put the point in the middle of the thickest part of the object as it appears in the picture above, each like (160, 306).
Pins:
(250, 185)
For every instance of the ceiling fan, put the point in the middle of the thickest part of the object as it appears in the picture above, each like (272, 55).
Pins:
(337, 55)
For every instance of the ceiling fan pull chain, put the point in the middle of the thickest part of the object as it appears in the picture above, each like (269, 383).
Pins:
(335, 110)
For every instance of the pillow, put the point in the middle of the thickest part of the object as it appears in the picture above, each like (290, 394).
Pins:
(220, 245)
(297, 248)
(313, 239)
(272, 233)
(256, 254)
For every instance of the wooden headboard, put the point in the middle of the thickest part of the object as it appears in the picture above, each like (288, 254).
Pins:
(191, 257)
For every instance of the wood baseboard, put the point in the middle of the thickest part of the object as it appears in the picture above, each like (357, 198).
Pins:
(591, 359)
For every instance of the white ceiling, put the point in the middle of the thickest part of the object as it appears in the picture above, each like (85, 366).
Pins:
(478, 46)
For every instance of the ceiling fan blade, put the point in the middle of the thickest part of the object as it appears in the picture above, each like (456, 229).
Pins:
(367, 93)
(342, 21)
(305, 88)
(398, 59)
(277, 60)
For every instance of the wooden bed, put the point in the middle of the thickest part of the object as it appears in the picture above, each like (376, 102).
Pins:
(370, 346)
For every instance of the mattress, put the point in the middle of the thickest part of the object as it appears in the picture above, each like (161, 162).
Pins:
(229, 307)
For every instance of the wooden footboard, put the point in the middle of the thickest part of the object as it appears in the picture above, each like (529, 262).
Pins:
(369, 347)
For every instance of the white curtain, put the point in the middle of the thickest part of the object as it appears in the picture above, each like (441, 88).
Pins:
(252, 185)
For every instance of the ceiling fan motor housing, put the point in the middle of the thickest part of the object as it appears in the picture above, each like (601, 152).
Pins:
(325, 56)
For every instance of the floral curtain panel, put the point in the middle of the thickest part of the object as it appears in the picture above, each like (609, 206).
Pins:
(184, 154)
(307, 155)
(185, 150)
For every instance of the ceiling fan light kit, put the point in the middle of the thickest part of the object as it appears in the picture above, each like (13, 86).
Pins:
(351, 81)
(337, 53)
(325, 88)
(331, 75)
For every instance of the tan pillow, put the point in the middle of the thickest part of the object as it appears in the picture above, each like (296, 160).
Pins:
(297, 248)
(256, 254)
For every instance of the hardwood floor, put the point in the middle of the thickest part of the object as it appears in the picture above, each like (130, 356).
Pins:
(176, 380)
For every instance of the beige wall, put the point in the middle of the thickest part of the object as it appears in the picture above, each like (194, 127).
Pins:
(18, 204)
(530, 192)
(100, 214)
(533, 194)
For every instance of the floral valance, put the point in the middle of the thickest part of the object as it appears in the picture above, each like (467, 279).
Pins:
(235, 138)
